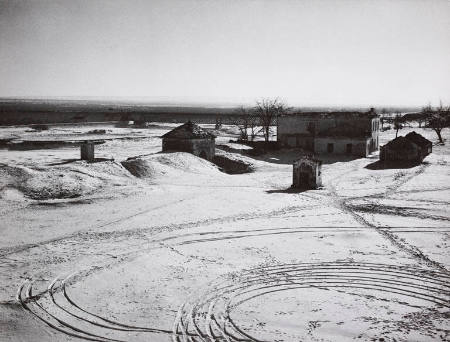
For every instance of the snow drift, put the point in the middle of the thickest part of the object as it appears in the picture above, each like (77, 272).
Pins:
(57, 182)
(151, 166)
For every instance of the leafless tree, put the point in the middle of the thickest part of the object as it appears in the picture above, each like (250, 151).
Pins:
(398, 122)
(420, 118)
(218, 124)
(267, 111)
(384, 117)
(245, 119)
(252, 124)
(437, 119)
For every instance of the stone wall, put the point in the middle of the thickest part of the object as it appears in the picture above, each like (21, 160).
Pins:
(412, 154)
(308, 124)
(360, 147)
(203, 145)
(301, 131)
(204, 148)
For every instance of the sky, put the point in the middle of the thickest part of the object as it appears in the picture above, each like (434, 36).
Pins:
(313, 52)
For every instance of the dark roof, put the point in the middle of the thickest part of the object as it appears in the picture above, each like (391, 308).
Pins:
(418, 139)
(400, 143)
(189, 130)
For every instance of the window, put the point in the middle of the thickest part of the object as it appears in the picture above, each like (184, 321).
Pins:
(348, 148)
(330, 147)
(311, 127)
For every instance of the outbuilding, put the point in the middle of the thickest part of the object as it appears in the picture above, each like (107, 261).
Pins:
(191, 138)
(412, 148)
(307, 173)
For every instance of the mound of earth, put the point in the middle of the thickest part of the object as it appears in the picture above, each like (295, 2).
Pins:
(58, 182)
(232, 163)
(158, 164)
(140, 167)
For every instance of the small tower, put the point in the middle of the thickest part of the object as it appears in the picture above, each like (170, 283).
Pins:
(307, 173)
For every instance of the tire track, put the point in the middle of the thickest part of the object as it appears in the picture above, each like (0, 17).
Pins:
(343, 204)
(214, 308)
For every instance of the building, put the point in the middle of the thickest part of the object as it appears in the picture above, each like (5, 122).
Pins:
(351, 133)
(191, 138)
(412, 148)
(425, 145)
(307, 173)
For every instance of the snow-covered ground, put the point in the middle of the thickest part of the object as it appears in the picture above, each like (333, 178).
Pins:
(181, 251)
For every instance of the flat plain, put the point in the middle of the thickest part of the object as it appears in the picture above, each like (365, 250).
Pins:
(186, 252)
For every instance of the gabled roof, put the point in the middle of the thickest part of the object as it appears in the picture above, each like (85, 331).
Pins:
(401, 143)
(189, 130)
(418, 139)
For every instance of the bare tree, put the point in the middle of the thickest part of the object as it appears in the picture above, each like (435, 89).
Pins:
(252, 124)
(437, 119)
(398, 122)
(218, 124)
(267, 111)
(384, 117)
(420, 119)
(245, 119)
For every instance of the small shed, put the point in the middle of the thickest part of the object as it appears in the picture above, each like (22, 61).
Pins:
(191, 138)
(400, 150)
(307, 173)
(412, 148)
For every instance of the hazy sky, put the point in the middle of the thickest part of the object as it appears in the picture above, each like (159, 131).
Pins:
(305, 52)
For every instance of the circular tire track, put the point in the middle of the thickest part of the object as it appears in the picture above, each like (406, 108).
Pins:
(210, 316)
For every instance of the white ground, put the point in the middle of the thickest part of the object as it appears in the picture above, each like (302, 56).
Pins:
(188, 253)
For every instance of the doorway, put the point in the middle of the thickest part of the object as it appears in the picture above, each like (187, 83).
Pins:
(303, 179)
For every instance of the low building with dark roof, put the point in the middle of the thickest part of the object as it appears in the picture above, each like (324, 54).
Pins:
(191, 138)
(412, 148)
(351, 133)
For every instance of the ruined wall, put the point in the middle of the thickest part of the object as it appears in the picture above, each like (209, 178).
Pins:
(360, 147)
(412, 154)
(298, 124)
(300, 131)
(297, 130)
(297, 140)
(203, 145)
(194, 146)
(176, 145)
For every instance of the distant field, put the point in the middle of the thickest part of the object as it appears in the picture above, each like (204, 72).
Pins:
(25, 112)
(15, 112)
